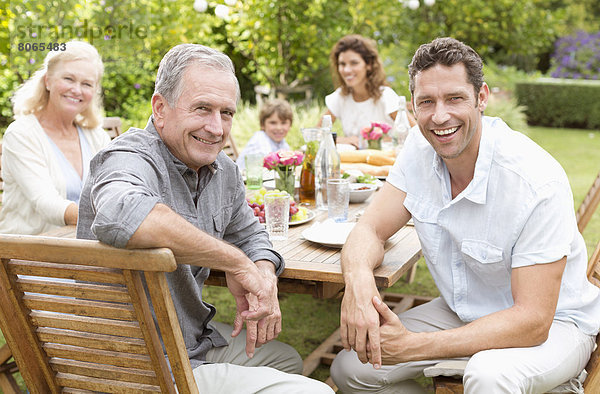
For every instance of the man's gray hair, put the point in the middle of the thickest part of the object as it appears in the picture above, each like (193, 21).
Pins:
(175, 62)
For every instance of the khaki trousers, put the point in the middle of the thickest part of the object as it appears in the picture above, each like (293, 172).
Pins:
(275, 368)
(515, 370)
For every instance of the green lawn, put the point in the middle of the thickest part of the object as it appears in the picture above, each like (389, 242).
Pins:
(308, 321)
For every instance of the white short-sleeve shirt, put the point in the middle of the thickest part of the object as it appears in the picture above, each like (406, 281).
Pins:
(356, 115)
(517, 211)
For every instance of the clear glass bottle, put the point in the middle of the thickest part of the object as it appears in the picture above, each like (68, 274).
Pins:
(327, 164)
(306, 193)
(401, 125)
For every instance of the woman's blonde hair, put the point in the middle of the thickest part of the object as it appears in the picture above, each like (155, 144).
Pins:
(367, 49)
(32, 96)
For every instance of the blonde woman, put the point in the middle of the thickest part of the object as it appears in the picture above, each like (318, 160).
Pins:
(47, 149)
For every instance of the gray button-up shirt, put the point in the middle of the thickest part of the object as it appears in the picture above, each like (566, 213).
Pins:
(137, 171)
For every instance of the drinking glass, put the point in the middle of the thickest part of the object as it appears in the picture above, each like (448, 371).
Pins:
(254, 171)
(277, 215)
(338, 198)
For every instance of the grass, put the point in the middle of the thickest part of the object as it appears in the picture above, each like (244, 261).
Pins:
(308, 321)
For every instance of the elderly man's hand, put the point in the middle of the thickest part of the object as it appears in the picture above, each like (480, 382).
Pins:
(260, 328)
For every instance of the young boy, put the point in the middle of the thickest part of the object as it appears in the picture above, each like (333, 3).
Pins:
(275, 122)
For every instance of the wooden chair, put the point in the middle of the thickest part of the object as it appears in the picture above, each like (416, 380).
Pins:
(112, 125)
(76, 315)
(230, 149)
(589, 205)
(447, 375)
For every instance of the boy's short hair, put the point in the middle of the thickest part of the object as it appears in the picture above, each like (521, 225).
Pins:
(282, 108)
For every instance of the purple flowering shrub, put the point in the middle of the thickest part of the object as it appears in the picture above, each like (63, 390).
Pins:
(577, 56)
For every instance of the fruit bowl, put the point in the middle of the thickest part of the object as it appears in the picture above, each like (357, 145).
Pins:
(359, 192)
(298, 214)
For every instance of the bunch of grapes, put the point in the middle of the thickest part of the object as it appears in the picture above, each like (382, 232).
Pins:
(257, 203)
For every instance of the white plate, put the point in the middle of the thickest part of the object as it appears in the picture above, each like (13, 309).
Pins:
(377, 183)
(310, 216)
(329, 233)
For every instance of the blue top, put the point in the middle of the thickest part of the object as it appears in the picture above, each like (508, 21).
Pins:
(73, 182)
(260, 143)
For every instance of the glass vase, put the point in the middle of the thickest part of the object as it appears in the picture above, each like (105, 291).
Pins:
(374, 144)
(286, 179)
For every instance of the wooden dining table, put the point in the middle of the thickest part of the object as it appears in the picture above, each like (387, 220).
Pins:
(312, 268)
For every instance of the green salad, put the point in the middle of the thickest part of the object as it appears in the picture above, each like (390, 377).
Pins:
(361, 178)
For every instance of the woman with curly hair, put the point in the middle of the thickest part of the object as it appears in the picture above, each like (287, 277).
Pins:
(362, 95)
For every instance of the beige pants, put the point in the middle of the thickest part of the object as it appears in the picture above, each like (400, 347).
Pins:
(515, 370)
(275, 368)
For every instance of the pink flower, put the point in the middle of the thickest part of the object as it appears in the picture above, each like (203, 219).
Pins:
(283, 159)
(271, 160)
(365, 131)
(383, 126)
(375, 131)
(299, 158)
(287, 158)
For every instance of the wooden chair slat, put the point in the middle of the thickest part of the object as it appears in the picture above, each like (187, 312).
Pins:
(77, 251)
(79, 307)
(66, 271)
(74, 289)
(18, 334)
(155, 349)
(86, 324)
(103, 371)
(103, 385)
(78, 353)
(172, 337)
(91, 340)
(588, 205)
(76, 391)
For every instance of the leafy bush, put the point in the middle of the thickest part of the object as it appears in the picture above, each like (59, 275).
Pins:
(506, 108)
(561, 102)
(577, 56)
(504, 77)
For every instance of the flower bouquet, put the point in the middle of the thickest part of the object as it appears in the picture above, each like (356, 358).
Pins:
(284, 163)
(373, 134)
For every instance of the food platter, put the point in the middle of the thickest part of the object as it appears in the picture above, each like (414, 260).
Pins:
(310, 215)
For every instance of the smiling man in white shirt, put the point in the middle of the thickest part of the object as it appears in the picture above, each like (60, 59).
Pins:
(494, 214)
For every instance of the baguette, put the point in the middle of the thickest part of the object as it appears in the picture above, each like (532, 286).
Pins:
(380, 160)
(367, 168)
(361, 156)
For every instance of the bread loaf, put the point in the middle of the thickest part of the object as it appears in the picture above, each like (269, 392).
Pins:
(367, 168)
(362, 156)
(380, 160)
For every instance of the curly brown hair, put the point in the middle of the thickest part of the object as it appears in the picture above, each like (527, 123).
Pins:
(367, 49)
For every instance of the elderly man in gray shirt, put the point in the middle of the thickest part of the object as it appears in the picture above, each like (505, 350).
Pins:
(170, 185)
